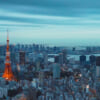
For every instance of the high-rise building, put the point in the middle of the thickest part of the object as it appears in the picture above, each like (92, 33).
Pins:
(45, 60)
(41, 77)
(98, 75)
(56, 59)
(61, 59)
(64, 56)
(22, 58)
(8, 74)
(92, 59)
(83, 59)
(98, 67)
(56, 70)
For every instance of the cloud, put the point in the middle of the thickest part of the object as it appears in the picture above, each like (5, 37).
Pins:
(43, 15)
(53, 12)
(53, 7)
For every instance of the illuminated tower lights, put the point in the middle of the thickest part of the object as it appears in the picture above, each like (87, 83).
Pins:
(8, 74)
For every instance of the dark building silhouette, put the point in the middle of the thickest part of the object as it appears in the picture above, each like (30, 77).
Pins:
(92, 59)
(83, 59)
(22, 58)
(57, 59)
(98, 75)
(64, 56)
(98, 61)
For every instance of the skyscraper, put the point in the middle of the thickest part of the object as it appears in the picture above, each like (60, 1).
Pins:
(92, 59)
(98, 75)
(83, 59)
(98, 67)
(64, 56)
(61, 58)
(56, 70)
(22, 58)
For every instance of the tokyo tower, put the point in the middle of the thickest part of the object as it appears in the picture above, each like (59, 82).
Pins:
(8, 74)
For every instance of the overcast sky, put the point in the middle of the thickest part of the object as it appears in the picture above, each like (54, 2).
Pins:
(56, 22)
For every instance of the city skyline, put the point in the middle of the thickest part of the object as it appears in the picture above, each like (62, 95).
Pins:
(49, 50)
(59, 22)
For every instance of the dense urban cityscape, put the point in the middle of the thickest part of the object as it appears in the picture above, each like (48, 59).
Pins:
(49, 49)
(39, 72)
